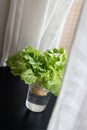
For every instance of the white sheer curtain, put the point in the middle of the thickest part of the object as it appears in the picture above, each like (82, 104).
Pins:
(70, 111)
(32, 22)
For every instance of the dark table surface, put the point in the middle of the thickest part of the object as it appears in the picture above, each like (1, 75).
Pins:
(13, 113)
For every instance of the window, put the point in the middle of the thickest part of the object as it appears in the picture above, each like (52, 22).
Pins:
(70, 25)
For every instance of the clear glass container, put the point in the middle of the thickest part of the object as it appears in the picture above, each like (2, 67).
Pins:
(37, 98)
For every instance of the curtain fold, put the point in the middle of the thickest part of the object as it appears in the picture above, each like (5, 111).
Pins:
(35, 23)
(4, 10)
(70, 112)
(12, 29)
(53, 30)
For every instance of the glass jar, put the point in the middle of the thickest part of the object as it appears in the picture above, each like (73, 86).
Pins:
(37, 98)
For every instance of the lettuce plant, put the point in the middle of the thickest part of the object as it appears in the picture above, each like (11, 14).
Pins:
(44, 69)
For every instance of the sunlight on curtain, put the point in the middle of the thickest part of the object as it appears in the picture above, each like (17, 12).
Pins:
(70, 112)
(36, 23)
